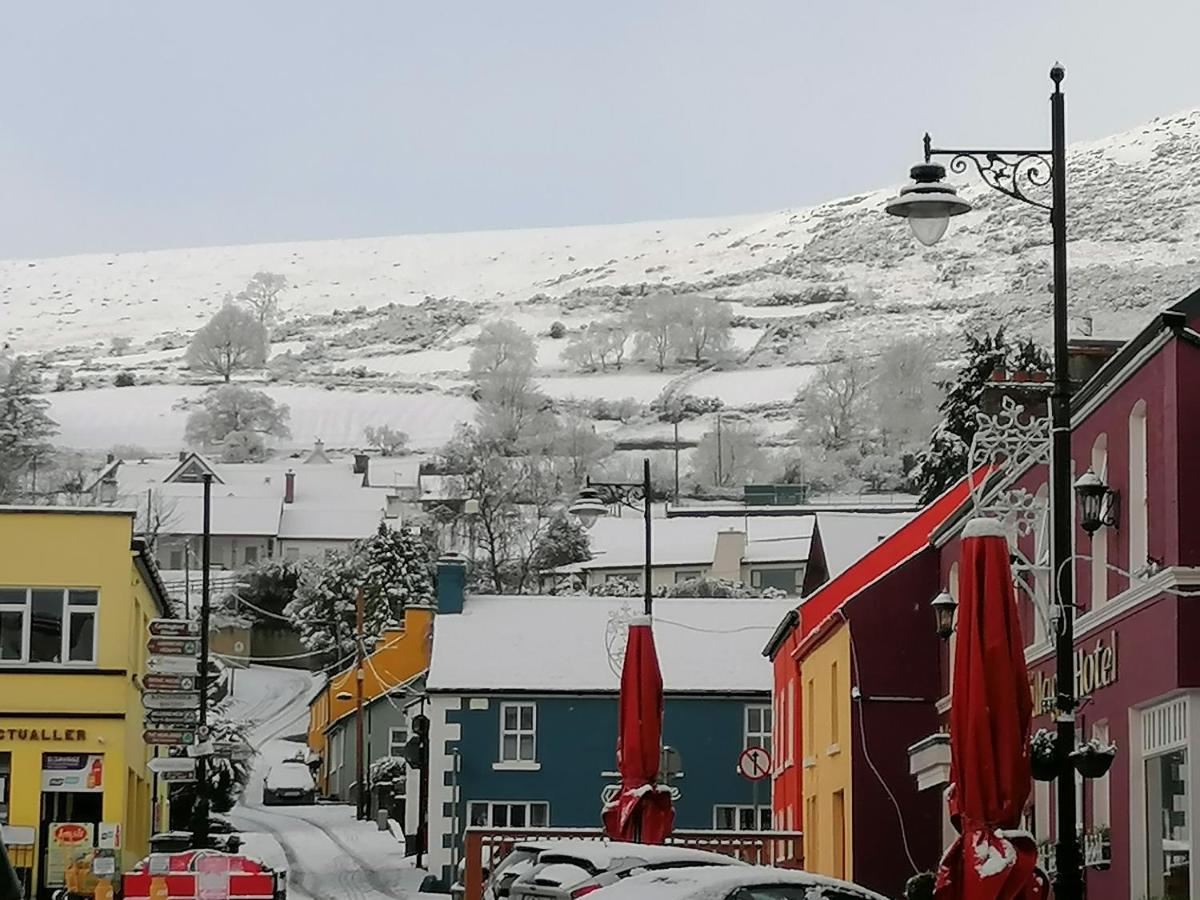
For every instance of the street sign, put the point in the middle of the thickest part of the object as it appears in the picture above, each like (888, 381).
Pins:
(754, 763)
(171, 700)
(182, 717)
(610, 792)
(162, 764)
(173, 646)
(233, 749)
(178, 777)
(173, 628)
(175, 665)
(161, 682)
(166, 737)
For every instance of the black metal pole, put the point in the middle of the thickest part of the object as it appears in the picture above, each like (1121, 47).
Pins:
(200, 804)
(1068, 879)
(646, 491)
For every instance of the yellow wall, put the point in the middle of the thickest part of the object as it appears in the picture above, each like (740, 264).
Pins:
(825, 707)
(400, 655)
(80, 708)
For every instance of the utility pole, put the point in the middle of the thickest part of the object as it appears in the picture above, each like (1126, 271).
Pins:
(200, 804)
(358, 705)
(677, 462)
(720, 477)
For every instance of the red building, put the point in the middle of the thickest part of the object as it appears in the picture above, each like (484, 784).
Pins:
(1137, 425)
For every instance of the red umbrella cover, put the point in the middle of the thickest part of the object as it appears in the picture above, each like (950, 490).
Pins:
(642, 811)
(990, 715)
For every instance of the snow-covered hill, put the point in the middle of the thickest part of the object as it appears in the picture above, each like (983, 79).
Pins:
(803, 284)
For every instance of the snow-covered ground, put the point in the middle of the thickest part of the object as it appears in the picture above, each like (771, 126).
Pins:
(328, 854)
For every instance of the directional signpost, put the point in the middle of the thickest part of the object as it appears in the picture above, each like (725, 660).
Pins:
(170, 694)
(173, 628)
(173, 665)
(171, 699)
(181, 717)
(161, 764)
(166, 736)
(173, 646)
(162, 682)
(178, 777)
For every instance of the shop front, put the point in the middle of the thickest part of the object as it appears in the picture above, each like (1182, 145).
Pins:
(1134, 677)
(66, 788)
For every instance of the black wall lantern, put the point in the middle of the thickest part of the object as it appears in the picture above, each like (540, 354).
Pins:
(1097, 503)
(943, 610)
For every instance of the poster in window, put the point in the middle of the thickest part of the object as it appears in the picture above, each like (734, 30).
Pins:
(70, 843)
(73, 773)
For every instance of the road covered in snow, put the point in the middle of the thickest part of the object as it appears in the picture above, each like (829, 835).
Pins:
(328, 854)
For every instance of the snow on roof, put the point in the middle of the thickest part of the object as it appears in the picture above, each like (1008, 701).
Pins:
(847, 537)
(617, 541)
(257, 516)
(549, 643)
(316, 523)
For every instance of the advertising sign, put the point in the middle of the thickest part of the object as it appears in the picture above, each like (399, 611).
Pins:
(212, 877)
(69, 844)
(108, 836)
(72, 773)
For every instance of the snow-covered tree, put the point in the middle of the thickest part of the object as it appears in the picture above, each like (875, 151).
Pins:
(502, 348)
(261, 294)
(563, 542)
(944, 462)
(834, 402)
(578, 448)
(233, 340)
(703, 329)
(655, 324)
(387, 440)
(239, 418)
(730, 454)
(227, 775)
(25, 428)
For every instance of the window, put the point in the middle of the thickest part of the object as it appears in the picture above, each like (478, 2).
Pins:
(48, 625)
(741, 818)
(839, 834)
(397, 738)
(758, 727)
(783, 579)
(1139, 514)
(835, 699)
(489, 814)
(809, 737)
(1099, 548)
(518, 732)
(175, 560)
(811, 828)
(789, 735)
(251, 555)
(682, 575)
(5, 776)
(335, 752)
(1166, 791)
(291, 553)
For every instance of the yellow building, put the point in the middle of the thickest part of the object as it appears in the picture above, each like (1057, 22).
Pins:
(76, 593)
(825, 686)
(400, 655)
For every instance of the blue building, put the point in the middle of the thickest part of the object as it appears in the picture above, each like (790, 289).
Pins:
(522, 698)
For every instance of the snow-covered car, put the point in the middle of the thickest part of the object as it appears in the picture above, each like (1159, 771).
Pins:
(573, 869)
(519, 860)
(733, 883)
(290, 781)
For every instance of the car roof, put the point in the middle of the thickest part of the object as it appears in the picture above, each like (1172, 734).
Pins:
(715, 882)
(603, 854)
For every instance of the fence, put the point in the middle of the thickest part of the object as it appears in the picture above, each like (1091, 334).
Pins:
(21, 857)
(768, 848)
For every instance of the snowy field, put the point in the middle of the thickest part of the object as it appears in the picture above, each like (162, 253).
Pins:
(751, 386)
(99, 419)
(641, 386)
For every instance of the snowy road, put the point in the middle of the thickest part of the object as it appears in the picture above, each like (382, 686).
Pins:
(328, 854)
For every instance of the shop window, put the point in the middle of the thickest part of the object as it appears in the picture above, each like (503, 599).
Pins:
(732, 817)
(1166, 798)
(48, 625)
(490, 814)
(758, 727)
(687, 575)
(175, 560)
(5, 779)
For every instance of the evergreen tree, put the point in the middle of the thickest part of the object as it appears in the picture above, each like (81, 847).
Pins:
(563, 542)
(944, 462)
(391, 567)
(25, 428)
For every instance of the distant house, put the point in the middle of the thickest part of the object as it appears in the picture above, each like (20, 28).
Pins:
(789, 552)
(522, 700)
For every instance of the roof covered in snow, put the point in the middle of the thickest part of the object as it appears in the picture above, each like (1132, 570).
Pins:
(847, 537)
(558, 644)
(250, 516)
(307, 523)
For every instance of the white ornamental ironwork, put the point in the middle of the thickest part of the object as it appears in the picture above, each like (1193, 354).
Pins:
(616, 636)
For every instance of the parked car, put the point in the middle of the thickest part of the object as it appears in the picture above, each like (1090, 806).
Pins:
(290, 781)
(515, 863)
(733, 883)
(572, 869)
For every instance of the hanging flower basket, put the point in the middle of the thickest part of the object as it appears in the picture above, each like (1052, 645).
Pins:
(1093, 759)
(1043, 757)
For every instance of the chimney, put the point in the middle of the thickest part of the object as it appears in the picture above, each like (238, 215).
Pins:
(182, 455)
(392, 510)
(451, 584)
(728, 554)
(361, 463)
(110, 458)
(289, 487)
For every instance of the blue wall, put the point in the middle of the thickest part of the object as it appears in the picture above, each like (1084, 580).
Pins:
(576, 741)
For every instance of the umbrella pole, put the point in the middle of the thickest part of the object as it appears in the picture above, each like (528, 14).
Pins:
(649, 595)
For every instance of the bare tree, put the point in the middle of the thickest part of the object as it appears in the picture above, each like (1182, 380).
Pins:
(730, 454)
(704, 328)
(261, 294)
(157, 514)
(655, 323)
(833, 403)
(579, 448)
(904, 394)
(232, 341)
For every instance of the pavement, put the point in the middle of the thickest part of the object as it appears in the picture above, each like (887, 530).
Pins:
(327, 853)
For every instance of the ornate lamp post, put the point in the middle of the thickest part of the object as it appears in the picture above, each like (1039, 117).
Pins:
(595, 499)
(928, 204)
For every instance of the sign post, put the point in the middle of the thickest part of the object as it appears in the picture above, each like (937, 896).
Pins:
(755, 765)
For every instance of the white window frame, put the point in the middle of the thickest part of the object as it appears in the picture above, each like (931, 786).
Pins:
(509, 805)
(393, 730)
(763, 735)
(518, 733)
(737, 809)
(69, 612)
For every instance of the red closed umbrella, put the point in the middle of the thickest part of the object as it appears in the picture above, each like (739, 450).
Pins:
(992, 859)
(642, 811)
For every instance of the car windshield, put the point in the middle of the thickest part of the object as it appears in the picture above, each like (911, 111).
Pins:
(516, 857)
(559, 859)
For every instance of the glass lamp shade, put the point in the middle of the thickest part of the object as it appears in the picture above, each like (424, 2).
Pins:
(1091, 491)
(928, 203)
(588, 508)
(944, 606)
(929, 230)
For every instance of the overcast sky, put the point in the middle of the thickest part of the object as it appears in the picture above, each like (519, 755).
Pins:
(139, 124)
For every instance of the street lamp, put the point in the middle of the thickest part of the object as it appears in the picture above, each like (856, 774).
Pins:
(1013, 172)
(944, 606)
(597, 496)
(1097, 502)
